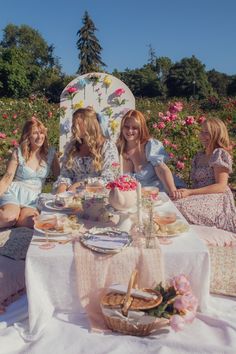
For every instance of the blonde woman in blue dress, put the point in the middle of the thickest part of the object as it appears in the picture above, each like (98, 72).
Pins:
(27, 170)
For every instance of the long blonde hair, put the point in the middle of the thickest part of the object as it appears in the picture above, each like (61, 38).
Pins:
(92, 137)
(218, 134)
(24, 142)
(144, 135)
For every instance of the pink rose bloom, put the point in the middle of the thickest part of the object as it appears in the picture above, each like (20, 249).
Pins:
(71, 89)
(177, 323)
(119, 92)
(154, 125)
(190, 120)
(174, 146)
(201, 119)
(161, 125)
(181, 284)
(176, 107)
(5, 116)
(166, 119)
(14, 116)
(180, 165)
(2, 136)
(171, 155)
(14, 143)
(173, 117)
(166, 142)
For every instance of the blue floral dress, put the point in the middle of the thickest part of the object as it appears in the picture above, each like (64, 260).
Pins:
(155, 155)
(83, 169)
(27, 184)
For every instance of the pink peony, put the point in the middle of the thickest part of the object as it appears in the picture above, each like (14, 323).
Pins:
(119, 92)
(181, 284)
(177, 323)
(187, 302)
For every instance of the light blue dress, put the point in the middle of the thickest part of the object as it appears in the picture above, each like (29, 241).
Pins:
(27, 184)
(155, 155)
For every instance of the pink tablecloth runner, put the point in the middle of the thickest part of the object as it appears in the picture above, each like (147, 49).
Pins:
(96, 272)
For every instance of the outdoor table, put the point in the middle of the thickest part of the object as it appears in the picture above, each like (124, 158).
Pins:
(51, 276)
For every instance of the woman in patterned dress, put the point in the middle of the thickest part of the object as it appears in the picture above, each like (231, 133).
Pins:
(210, 201)
(26, 172)
(88, 155)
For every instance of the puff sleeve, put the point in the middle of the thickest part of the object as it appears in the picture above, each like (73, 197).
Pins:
(221, 158)
(155, 152)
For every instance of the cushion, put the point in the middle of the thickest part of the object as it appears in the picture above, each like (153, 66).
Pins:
(12, 280)
(14, 243)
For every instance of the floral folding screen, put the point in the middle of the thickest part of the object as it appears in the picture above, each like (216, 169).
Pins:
(109, 97)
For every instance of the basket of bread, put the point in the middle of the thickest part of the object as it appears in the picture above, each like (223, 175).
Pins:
(124, 309)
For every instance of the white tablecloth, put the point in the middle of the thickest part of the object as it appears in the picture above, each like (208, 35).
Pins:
(51, 277)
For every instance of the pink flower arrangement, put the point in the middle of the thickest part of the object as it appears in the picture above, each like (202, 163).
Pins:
(179, 304)
(123, 183)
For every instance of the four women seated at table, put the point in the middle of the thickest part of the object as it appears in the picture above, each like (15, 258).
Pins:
(90, 154)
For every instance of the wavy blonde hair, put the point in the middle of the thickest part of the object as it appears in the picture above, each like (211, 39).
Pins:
(218, 134)
(92, 137)
(144, 135)
(24, 142)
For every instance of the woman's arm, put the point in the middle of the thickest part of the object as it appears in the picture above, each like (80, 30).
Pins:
(165, 175)
(220, 185)
(9, 174)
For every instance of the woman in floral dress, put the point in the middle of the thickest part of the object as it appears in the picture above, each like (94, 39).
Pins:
(210, 201)
(89, 154)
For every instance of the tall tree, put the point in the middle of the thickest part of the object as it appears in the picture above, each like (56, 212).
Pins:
(89, 47)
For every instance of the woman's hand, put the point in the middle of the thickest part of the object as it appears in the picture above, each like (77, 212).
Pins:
(184, 193)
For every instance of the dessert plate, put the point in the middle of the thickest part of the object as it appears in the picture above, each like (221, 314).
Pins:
(107, 241)
(178, 228)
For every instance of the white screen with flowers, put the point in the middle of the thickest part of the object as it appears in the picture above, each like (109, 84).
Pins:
(109, 97)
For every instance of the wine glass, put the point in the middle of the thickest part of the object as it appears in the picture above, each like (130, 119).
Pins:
(163, 218)
(47, 245)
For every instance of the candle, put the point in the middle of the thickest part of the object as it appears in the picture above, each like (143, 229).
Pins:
(121, 165)
(139, 204)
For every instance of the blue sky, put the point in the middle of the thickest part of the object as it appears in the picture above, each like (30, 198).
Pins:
(174, 28)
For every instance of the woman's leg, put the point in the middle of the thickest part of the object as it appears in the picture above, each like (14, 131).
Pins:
(9, 214)
(26, 217)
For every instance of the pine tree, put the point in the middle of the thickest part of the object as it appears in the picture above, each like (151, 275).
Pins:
(89, 47)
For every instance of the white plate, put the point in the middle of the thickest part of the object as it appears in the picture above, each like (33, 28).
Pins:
(107, 241)
(50, 205)
(51, 233)
(184, 227)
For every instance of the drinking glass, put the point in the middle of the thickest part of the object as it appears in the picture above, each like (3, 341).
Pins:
(163, 218)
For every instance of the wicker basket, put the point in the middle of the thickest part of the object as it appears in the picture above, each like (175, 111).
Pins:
(128, 302)
(223, 274)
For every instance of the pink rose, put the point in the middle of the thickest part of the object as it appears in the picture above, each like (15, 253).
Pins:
(166, 142)
(180, 165)
(119, 92)
(2, 136)
(201, 119)
(177, 323)
(176, 107)
(181, 284)
(171, 155)
(190, 120)
(161, 125)
(71, 89)
(14, 116)
(154, 125)
(14, 143)
(5, 116)
(15, 131)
